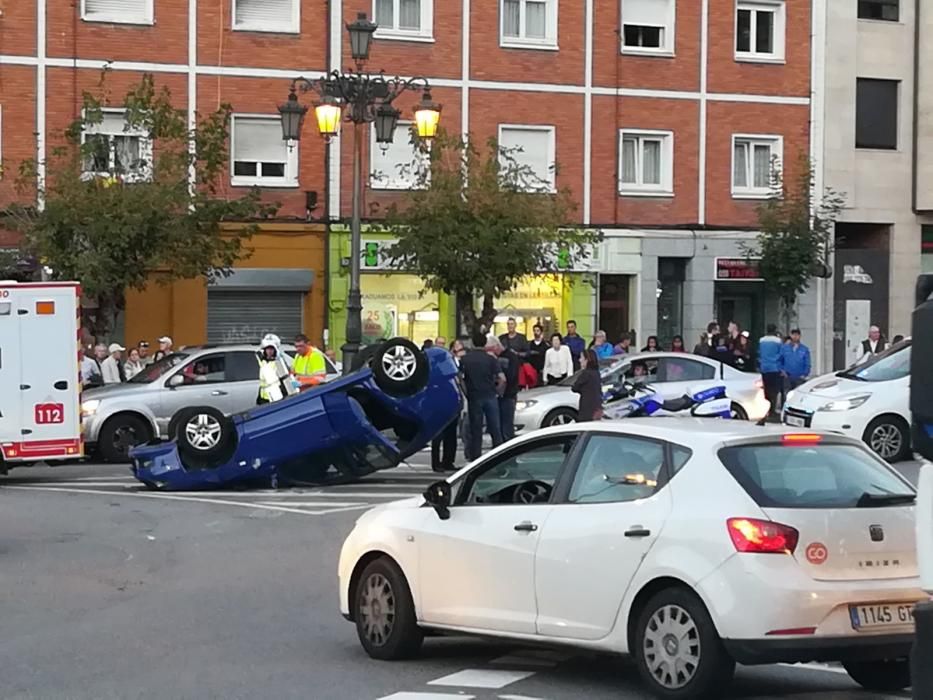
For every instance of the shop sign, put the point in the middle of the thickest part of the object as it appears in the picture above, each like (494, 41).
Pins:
(738, 270)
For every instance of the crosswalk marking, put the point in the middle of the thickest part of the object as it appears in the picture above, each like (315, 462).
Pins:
(427, 696)
(482, 678)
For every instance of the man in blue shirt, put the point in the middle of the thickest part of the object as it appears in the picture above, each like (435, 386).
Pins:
(576, 344)
(795, 361)
(770, 348)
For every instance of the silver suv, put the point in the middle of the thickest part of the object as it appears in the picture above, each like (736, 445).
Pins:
(119, 416)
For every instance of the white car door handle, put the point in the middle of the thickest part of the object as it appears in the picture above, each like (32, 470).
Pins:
(637, 531)
(526, 526)
(218, 392)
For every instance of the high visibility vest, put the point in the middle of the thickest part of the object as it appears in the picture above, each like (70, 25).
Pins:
(310, 368)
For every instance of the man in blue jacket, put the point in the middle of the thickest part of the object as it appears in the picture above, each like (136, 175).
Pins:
(576, 344)
(770, 355)
(795, 361)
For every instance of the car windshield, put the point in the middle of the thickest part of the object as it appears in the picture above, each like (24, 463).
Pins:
(605, 368)
(893, 363)
(814, 476)
(158, 369)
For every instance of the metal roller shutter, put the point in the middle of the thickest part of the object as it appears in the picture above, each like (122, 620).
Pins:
(244, 317)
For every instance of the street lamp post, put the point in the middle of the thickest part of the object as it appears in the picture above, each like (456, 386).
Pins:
(359, 98)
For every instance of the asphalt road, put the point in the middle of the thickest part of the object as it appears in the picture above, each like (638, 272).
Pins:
(108, 591)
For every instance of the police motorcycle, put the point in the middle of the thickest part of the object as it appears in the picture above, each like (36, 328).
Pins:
(634, 400)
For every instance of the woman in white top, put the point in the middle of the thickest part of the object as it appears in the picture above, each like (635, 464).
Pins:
(133, 365)
(558, 364)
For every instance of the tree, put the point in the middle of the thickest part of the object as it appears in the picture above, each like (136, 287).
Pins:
(796, 236)
(478, 221)
(120, 213)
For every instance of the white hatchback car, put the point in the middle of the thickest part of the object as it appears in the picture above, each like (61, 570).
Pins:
(870, 402)
(690, 544)
(671, 374)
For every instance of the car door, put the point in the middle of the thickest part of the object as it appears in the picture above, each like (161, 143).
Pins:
(677, 375)
(477, 567)
(598, 534)
(199, 382)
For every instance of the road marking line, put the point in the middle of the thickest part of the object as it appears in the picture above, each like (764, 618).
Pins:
(315, 504)
(426, 696)
(814, 666)
(113, 484)
(517, 697)
(482, 678)
(366, 506)
(101, 478)
(165, 497)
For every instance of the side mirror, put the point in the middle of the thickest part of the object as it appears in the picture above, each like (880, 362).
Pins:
(437, 496)
(177, 380)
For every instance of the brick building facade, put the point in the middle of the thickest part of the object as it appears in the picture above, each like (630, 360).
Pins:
(661, 115)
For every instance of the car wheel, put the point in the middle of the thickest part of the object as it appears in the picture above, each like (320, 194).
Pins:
(677, 649)
(559, 416)
(206, 437)
(385, 612)
(119, 434)
(883, 675)
(399, 367)
(888, 437)
(738, 413)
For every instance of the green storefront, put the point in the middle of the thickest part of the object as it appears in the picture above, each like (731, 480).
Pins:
(396, 303)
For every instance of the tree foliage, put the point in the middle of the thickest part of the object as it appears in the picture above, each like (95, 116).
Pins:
(478, 221)
(797, 235)
(117, 217)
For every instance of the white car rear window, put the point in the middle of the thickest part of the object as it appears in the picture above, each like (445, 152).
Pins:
(814, 476)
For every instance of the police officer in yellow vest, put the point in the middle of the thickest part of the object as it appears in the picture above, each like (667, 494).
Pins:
(309, 368)
(275, 381)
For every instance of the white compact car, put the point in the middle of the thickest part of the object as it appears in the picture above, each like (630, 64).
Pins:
(671, 374)
(689, 544)
(870, 402)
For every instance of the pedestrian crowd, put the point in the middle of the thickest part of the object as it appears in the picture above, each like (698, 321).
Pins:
(112, 364)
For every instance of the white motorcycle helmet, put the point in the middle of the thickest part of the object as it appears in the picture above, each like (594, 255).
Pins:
(270, 340)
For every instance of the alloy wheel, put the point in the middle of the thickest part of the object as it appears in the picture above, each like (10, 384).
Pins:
(377, 609)
(672, 647)
(399, 363)
(562, 419)
(203, 431)
(886, 440)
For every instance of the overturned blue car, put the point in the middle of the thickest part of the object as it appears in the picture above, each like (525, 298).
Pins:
(399, 400)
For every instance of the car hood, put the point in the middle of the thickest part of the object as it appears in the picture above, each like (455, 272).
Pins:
(112, 391)
(542, 391)
(818, 391)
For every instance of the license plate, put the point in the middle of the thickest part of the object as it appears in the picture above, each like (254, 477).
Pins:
(795, 421)
(881, 615)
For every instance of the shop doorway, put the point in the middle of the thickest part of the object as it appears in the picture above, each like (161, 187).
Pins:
(742, 302)
(614, 317)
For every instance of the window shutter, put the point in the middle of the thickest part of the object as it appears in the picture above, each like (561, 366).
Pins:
(124, 9)
(252, 13)
(652, 13)
(258, 140)
(535, 153)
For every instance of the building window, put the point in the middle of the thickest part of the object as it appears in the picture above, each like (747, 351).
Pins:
(648, 26)
(117, 11)
(404, 19)
(266, 16)
(532, 148)
(399, 165)
(528, 23)
(876, 113)
(646, 161)
(114, 148)
(887, 10)
(259, 155)
(759, 31)
(753, 158)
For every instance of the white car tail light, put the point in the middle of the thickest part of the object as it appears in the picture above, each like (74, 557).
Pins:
(750, 535)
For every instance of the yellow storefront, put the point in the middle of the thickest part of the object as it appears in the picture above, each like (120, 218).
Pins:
(278, 287)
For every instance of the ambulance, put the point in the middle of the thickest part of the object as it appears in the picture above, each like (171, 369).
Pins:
(40, 373)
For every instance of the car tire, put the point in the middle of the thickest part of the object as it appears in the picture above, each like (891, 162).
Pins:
(888, 437)
(399, 367)
(119, 434)
(559, 416)
(880, 676)
(385, 612)
(701, 668)
(363, 358)
(738, 413)
(206, 437)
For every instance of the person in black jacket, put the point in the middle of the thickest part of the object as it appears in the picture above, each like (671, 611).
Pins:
(590, 387)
